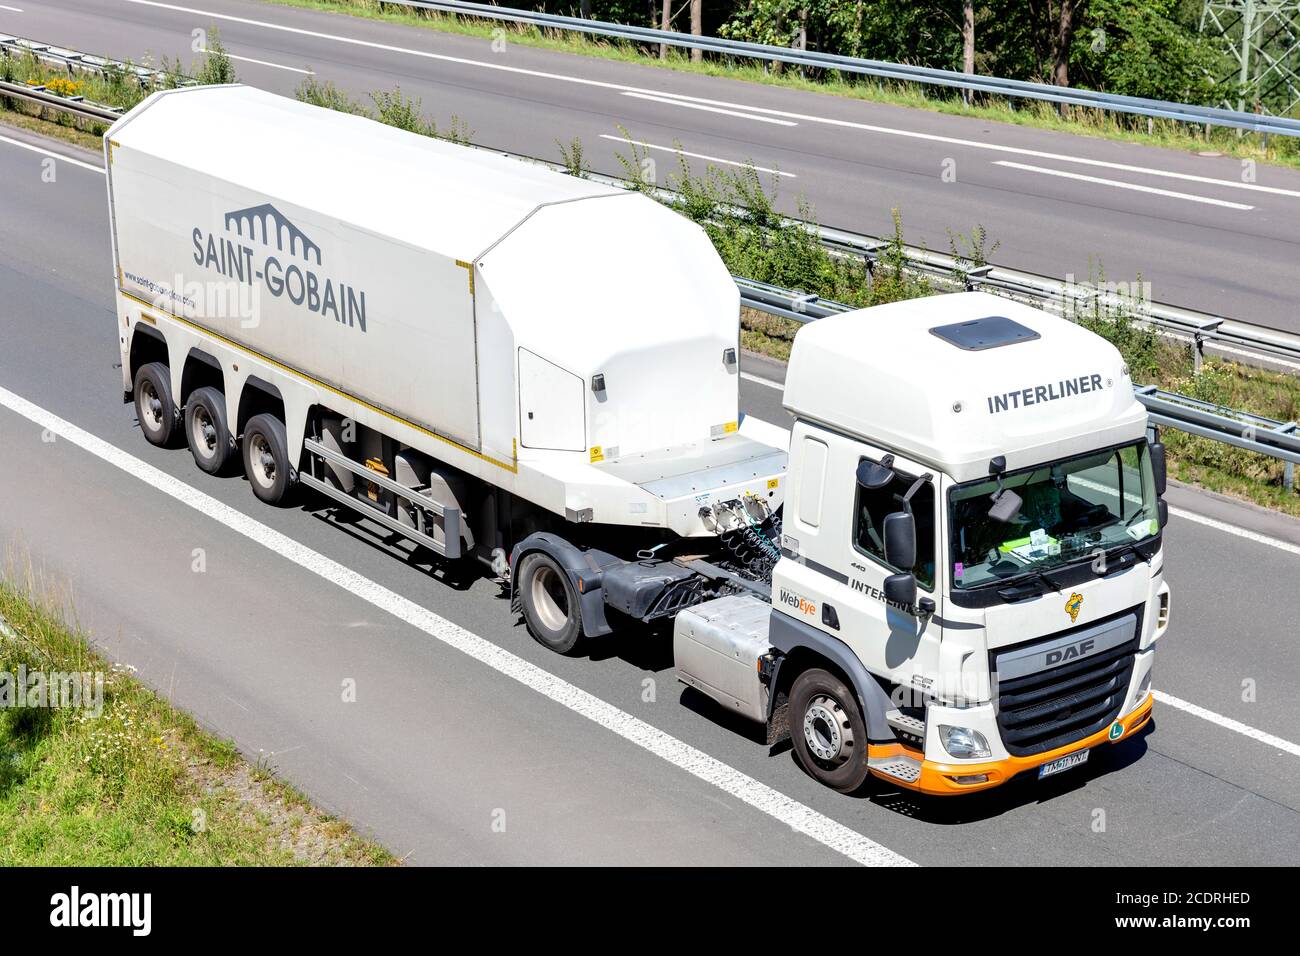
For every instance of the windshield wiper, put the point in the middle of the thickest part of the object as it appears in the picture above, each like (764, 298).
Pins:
(1010, 592)
(1124, 547)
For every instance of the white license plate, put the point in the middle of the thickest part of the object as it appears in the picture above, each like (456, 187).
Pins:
(1062, 763)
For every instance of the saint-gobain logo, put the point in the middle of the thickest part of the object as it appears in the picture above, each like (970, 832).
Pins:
(251, 249)
(75, 908)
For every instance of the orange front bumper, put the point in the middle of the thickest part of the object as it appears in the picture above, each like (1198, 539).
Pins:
(939, 779)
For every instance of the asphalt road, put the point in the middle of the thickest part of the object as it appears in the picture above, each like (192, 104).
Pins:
(1058, 204)
(438, 747)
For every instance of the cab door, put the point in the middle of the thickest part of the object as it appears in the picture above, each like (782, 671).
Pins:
(899, 642)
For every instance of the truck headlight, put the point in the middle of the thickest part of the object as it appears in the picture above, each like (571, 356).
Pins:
(963, 742)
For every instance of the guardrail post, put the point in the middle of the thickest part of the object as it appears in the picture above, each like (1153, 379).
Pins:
(1288, 467)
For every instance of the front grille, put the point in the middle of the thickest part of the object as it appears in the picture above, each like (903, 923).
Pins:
(1055, 707)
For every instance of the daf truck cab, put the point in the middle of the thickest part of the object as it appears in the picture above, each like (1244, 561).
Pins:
(971, 578)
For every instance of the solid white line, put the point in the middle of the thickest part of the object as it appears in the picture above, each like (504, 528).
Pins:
(750, 377)
(1227, 722)
(1188, 177)
(797, 816)
(688, 104)
(59, 156)
(10, 9)
(711, 159)
(1232, 529)
(766, 111)
(278, 66)
(1117, 184)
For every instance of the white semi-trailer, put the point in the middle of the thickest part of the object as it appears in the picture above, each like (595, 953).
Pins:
(948, 573)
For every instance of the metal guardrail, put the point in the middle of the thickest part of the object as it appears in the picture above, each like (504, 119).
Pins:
(1018, 89)
(1254, 433)
(74, 60)
(76, 106)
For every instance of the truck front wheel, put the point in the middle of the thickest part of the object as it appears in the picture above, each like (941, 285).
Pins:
(154, 407)
(827, 731)
(266, 458)
(550, 603)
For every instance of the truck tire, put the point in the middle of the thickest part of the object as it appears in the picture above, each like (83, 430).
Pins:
(266, 458)
(550, 603)
(206, 429)
(828, 733)
(154, 407)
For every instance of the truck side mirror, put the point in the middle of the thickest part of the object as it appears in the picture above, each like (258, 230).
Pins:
(1162, 512)
(900, 540)
(874, 475)
(1159, 467)
(900, 589)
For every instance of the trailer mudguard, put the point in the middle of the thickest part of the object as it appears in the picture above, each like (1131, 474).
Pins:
(786, 634)
(585, 568)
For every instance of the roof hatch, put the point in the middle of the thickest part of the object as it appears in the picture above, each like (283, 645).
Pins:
(990, 332)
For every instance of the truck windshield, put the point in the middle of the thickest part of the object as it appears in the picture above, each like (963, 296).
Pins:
(1070, 510)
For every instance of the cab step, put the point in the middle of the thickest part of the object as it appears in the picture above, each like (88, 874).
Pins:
(906, 769)
(907, 726)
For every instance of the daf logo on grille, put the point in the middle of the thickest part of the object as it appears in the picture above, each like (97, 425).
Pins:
(1070, 652)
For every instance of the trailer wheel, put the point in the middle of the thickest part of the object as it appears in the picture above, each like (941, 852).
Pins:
(550, 603)
(828, 733)
(154, 406)
(266, 458)
(206, 429)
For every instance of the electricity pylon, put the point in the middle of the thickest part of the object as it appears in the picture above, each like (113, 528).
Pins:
(1262, 40)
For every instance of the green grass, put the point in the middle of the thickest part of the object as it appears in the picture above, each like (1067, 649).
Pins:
(141, 784)
(1166, 133)
(36, 120)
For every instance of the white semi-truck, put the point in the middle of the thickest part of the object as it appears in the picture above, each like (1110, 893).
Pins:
(947, 573)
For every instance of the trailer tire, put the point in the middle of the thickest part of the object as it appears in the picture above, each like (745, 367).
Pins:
(828, 733)
(154, 406)
(266, 458)
(206, 429)
(550, 602)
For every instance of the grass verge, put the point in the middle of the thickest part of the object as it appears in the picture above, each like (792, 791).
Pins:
(1155, 132)
(138, 784)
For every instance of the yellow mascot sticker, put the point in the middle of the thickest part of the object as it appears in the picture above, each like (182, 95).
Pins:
(1074, 606)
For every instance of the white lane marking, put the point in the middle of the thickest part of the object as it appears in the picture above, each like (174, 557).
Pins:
(1227, 722)
(797, 816)
(767, 111)
(711, 159)
(1254, 536)
(691, 105)
(750, 377)
(1187, 177)
(10, 9)
(1118, 184)
(53, 155)
(278, 66)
